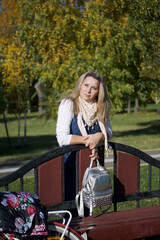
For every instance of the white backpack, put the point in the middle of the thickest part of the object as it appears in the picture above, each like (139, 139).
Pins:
(96, 189)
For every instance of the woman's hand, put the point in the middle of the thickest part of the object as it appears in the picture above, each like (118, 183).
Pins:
(93, 140)
(76, 139)
(94, 154)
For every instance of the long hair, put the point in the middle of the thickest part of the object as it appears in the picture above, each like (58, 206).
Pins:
(103, 100)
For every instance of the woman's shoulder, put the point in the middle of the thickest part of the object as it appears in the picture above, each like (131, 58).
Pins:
(66, 103)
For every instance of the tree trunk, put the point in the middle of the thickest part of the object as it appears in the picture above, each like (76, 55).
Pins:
(18, 145)
(28, 106)
(40, 92)
(129, 105)
(25, 127)
(6, 109)
(136, 105)
(123, 108)
(5, 122)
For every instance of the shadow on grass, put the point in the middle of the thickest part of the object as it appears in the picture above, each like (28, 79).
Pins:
(12, 118)
(148, 128)
(35, 145)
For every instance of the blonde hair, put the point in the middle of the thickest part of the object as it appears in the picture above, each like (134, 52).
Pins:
(103, 100)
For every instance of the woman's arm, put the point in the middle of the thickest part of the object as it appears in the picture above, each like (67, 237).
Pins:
(64, 119)
(75, 139)
(108, 129)
(93, 140)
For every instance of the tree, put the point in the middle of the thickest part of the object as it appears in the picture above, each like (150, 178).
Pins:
(124, 47)
(144, 17)
(8, 19)
(15, 79)
(49, 32)
(8, 24)
(60, 40)
(3, 105)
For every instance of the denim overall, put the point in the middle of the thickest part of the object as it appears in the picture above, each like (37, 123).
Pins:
(70, 159)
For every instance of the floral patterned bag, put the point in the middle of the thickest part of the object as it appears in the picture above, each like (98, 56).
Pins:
(22, 213)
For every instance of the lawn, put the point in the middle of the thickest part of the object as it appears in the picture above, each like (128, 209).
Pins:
(137, 130)
(140, 130)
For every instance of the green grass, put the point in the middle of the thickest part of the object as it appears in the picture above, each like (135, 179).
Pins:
(40, 138)
(15, 186)
(149, 107)
(140, 130)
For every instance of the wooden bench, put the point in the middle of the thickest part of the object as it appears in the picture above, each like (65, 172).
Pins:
(128, 224)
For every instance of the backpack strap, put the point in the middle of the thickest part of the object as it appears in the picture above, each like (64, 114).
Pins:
(91, 162)
(79, 195)
(80, 203)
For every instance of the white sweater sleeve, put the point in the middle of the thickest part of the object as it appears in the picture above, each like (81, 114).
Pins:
(65, 115)
(108, 129)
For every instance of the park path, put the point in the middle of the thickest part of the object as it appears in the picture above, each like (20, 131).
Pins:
(155, 154)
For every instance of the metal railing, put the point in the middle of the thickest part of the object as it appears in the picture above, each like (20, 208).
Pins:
(116, 147)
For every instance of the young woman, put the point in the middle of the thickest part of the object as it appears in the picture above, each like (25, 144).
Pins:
(83, 118)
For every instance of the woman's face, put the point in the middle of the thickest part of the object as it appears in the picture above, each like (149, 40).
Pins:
(89, 89)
